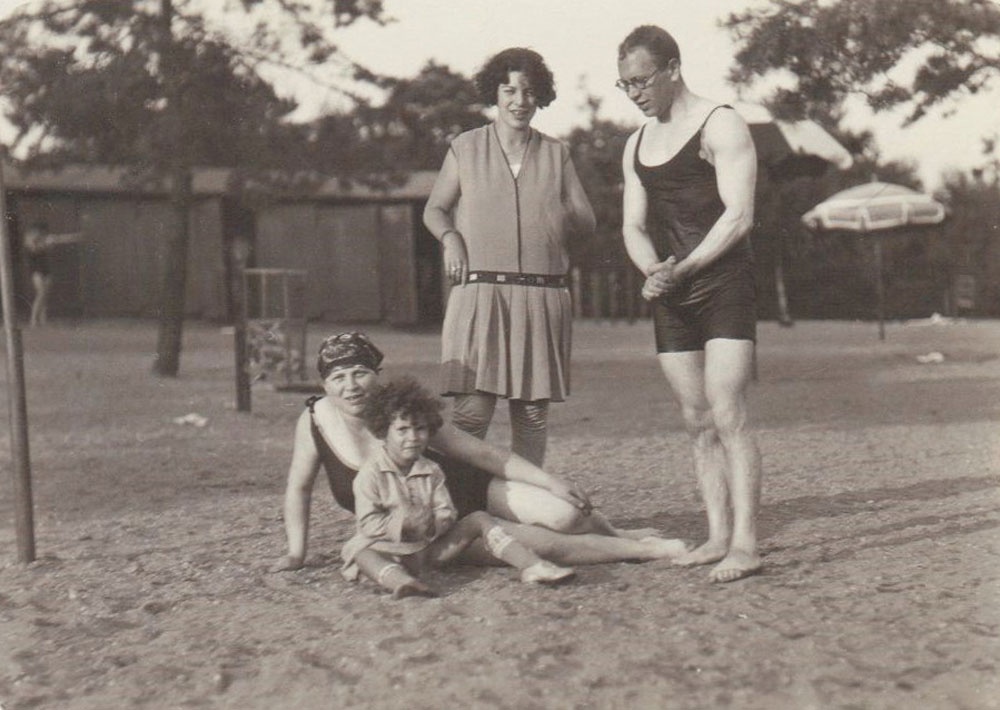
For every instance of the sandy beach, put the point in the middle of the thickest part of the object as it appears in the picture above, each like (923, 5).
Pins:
(880, 528)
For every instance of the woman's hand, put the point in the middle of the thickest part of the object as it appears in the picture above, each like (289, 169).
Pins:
(570, 492)
(456, 262)
(288, 563)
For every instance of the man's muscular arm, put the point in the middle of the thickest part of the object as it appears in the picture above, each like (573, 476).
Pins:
(726, 139)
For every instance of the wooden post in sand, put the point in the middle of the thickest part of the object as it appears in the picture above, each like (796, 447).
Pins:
(16, 398)
(237, 254)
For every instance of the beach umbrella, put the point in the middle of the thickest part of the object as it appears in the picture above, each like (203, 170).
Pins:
(870, 209)
(787, 150)
(792, 148)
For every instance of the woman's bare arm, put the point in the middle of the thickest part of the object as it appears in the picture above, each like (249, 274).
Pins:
(440, 222)
(506, 465)
(298, 493)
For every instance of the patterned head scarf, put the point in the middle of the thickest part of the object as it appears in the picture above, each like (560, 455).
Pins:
(347, 350)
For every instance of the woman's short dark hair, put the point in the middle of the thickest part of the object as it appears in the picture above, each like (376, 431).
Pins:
(657, 41)
(497, 71)
(403, 397)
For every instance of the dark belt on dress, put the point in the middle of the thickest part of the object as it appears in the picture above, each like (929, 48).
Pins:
(519, 279)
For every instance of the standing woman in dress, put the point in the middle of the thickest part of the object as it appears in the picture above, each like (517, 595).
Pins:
(505, 204)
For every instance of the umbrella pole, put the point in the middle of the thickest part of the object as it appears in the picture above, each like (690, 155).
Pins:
(880, 288)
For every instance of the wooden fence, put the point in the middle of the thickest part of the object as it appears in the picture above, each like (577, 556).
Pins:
(612, 293)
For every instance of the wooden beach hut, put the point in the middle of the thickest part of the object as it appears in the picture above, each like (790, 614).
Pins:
(367, 255)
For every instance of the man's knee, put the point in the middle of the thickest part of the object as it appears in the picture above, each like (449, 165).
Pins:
(729, 418)
(698, 421)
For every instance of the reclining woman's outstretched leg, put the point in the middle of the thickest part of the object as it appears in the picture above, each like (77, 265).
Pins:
(578, 549)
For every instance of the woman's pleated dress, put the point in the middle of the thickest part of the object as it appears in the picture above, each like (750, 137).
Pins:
(506, 339)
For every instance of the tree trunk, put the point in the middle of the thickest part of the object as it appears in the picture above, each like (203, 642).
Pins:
(784, 316)
(168, 345)
(237, 253)
(174, 279)
(17, 401)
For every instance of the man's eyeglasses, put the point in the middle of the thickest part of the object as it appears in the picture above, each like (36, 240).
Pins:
(639, 84)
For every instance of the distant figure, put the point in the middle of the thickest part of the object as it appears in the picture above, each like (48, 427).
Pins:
(405, 515)
(690, 172)
(38, 246)
(504, 206)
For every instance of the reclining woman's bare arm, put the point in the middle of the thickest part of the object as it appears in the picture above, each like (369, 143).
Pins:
(298, 494)
(506, 465)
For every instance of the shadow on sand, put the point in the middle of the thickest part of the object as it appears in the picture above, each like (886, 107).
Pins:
(775, 516)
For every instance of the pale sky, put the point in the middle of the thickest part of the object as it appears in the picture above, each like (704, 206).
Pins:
(579, 40)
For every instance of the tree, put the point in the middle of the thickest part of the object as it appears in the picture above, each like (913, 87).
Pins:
(917, 55)
(154, 85)
(817, 275)
(597, 155)
(414, 126)
(835, 49)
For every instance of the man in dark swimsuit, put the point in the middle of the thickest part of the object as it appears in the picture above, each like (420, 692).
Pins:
(690, 173)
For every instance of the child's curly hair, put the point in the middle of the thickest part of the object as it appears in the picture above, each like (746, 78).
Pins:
(403, 397)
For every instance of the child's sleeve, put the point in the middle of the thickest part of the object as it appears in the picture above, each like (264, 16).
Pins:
(445, 513)
(376, 519)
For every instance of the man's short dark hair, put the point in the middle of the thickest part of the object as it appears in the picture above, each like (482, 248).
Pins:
(405, 398)
(657, 41)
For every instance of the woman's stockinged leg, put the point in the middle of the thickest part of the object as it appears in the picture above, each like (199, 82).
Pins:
(598, 524)
(472, 413)
(524, 503)
(591, 549)
(529, 428)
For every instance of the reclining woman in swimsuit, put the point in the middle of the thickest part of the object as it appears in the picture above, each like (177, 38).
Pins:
(549, 515)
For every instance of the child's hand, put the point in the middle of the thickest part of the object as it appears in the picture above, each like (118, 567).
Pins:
(288, 563)
(418, 525)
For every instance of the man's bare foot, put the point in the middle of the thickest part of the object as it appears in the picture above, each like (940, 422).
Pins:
(663, 548)
(413, 588)
(736, 565)
(703, 555)
(287, 564)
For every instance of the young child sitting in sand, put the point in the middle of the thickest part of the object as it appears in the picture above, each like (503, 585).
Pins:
(403, 510)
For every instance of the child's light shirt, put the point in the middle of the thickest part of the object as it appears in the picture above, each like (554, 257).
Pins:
(397, 513)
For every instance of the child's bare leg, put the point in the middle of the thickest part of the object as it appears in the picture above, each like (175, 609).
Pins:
(391, 575)
(500, 543)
